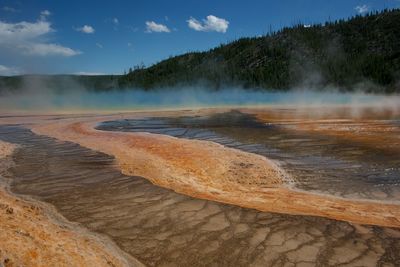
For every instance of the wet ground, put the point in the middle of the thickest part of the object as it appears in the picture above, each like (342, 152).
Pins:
(317, 162)
(163, 228)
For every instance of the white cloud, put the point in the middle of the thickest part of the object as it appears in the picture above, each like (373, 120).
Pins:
(362, 9)
(44, 14)
(195, 24)
(49, 50)
(8, 71)
(27, 38)
(12, 32)
(99, 45)
(211, 23)
(151, 26)
(86, 29)
(115, 21)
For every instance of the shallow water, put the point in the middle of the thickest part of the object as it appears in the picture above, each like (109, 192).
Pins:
(163, 228)
(317, 163)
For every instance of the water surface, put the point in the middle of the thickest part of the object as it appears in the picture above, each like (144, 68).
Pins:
(316, 162)
(163, 228)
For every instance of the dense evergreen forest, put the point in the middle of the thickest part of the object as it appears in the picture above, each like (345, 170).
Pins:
(361, 53)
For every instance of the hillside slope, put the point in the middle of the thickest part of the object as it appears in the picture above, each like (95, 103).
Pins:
(360, 53)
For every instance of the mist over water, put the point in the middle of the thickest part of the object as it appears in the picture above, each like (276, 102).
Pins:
(44, 99)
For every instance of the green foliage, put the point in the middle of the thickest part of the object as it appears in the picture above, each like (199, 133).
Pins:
(360, 53)
(345, 54)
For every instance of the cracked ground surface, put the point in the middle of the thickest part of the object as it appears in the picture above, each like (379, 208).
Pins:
(33, 234)
(163, 228)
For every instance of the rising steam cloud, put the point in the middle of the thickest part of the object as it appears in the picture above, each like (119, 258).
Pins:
(36, 96)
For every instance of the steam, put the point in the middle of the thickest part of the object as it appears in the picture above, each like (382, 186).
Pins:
(34, 95)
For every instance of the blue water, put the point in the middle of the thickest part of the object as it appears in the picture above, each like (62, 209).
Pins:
(190, 97)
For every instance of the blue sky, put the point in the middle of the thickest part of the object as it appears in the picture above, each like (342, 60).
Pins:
(110, 36)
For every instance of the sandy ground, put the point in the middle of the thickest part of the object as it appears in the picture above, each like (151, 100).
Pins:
(33, 234)
(207, 170)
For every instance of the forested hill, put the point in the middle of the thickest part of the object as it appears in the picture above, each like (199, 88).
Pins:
(362, 52)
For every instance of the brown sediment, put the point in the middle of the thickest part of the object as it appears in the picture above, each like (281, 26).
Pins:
(368, 127)
(33, 234)
(207, 170)
(6, 149)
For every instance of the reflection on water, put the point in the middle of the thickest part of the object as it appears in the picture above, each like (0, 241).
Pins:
(317, 162)
(163, 228)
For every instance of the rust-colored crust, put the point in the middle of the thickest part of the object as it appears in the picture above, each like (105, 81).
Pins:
(207, 170)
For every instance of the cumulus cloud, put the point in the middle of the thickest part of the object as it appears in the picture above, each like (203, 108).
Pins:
(362, 9)
(39, 49)
(86, 29)
(27, 38)
(23, 31)
(211, 23)
(8, 71)
(152, 26)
